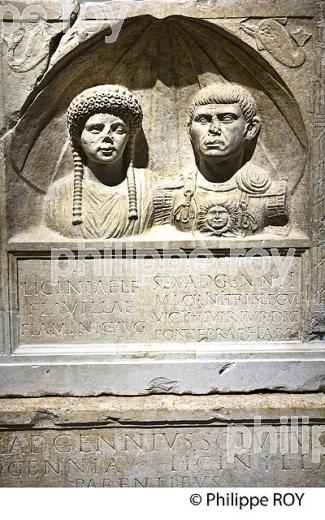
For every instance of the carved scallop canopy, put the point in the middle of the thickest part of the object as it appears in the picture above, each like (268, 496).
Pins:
(164, 62)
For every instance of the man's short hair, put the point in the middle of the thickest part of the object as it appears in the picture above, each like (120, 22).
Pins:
(224, 93)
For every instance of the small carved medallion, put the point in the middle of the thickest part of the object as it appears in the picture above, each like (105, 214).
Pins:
(218, 219)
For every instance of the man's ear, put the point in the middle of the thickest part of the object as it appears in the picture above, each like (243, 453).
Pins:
(188, 128)
(253, 129)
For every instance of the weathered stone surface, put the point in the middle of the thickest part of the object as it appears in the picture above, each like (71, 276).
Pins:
(148, 371)
(195, 8)
(30, 32)
(201, 8)
(205, 171)
(25, 54)
(316, 323)
(51, 10)
(195, 141)
(164, 458)
(160, 442)
(272, 190)
(57, 412)
(158, 301)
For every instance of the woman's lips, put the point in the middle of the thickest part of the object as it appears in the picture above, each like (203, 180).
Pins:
(106, 150)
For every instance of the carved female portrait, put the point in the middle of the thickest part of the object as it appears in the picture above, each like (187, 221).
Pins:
(105, 197)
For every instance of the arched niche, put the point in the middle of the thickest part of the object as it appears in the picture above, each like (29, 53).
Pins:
(164, 62)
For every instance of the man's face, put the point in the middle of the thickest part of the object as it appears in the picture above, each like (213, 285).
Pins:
(104, 138)
(218, 130)
(217, 217)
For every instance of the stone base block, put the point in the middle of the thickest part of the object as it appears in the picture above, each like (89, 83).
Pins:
(163, 441)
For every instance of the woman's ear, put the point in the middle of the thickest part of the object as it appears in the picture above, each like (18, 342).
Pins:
(253, 128)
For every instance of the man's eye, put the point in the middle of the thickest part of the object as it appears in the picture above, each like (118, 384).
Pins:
(202, 119)
(228, 118)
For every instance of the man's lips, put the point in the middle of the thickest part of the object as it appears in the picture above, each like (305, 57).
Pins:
(214, 143)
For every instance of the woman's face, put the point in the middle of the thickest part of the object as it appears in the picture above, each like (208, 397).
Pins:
(104, 138)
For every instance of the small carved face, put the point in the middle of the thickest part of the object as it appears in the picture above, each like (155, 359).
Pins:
(104, 138)
(218, 130)
(217, 217)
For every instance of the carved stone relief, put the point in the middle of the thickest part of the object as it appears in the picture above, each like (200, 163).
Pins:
(162, 244)
(226, 195)
(270, 170)
(28, 46)
(316, 323)
(284, 45)
(113, 442)
(179, 134)
(105, 197)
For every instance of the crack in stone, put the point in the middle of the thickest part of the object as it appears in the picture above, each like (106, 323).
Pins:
(226, 368)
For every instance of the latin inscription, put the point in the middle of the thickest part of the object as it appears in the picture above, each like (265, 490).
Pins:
(174, 300)
(146, 458)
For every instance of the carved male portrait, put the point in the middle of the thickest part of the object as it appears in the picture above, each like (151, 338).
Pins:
(106, 196)
(226, 194)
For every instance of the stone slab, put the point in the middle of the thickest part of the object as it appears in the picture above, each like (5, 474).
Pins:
(93, 375)
(158, 300)
(58, 9)
(161, 442)
(32, 365)
(199, 8)
(76, 365)
(65, 412)
(53, 10)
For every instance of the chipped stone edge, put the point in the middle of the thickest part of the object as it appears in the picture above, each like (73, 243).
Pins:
(61, 412)
(315, 328)
(194, 8)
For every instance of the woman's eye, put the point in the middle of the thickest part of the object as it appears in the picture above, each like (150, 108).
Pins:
(120, 130)
(94, 130)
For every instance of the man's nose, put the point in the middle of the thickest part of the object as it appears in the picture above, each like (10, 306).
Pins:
(215, 126)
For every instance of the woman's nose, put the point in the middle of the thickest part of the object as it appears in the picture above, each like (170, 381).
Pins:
(107, 134)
